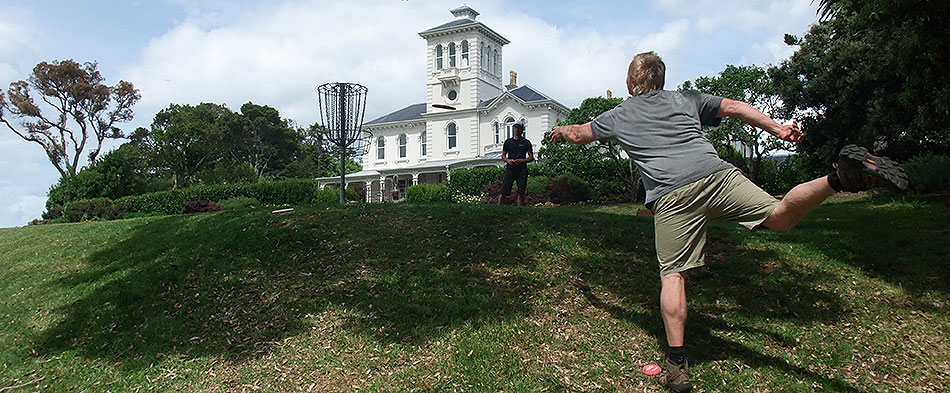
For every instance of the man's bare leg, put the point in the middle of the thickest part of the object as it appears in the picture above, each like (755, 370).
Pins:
(797, 203)
(673, 307)
(520, 200)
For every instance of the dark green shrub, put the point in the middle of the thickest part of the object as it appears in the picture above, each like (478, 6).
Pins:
(428, 193)
(538, 185)
(492, 191)
(90, 209)
(928, 173)
(289, 192)
(471, 181)
(331, 195)
(239, 203)
(568, 189)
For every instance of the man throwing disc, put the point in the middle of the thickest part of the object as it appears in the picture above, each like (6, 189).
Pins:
(687, 184)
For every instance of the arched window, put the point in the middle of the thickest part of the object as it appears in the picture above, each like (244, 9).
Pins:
(497, 62)
(402, 145)
(438, 57)
(509, 131)
(423, 146)
(484, 56)
(488, 64)
(450, 132)
(464, 62)
(451, 54)
(497, 133)
(380, 148)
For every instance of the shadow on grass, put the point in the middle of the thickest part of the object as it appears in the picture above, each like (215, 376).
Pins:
(231, 284)
(732, 282)
(903, 241)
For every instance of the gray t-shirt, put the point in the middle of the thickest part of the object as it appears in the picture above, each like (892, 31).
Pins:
(662, 132)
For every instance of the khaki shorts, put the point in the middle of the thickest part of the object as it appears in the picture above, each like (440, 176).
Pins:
(680, 217)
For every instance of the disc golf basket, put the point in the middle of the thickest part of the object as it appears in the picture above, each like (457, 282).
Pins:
(341, 109)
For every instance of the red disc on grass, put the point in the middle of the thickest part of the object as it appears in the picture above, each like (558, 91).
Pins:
(651, 369)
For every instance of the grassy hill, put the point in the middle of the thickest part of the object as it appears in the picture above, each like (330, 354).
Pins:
(442, 298)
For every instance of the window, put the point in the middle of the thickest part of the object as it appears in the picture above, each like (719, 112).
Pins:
(484, 56)
(380, 148)
(438, 57)
(423, 145)
(464, 62)
(509, 131)
(451, 54)
(402, 145)
(452, 137)
(488, 64)
(497, 133)
(497, 63)
(452, 95)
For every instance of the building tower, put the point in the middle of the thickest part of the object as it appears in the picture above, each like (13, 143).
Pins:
(464, 62)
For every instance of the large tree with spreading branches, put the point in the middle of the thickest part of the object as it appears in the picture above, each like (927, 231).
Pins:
(77, 112)
(872, 72)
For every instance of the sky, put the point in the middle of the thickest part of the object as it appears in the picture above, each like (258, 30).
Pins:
(276, 52)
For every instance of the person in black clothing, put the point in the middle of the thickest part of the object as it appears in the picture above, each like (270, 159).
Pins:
(516, 153)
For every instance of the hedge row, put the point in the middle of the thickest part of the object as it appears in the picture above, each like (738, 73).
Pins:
(471, 181)
(428, 193)
(928, 173)
(172, 201)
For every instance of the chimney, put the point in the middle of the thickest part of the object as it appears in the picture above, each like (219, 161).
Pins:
(513, 81)
(610, 94)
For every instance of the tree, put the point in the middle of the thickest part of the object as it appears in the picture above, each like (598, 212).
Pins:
(331, 166)
(85, 111)
(185, 139)
(596, 163)
(271, 144)
(873, 73)
(118, 173)
(750, 84)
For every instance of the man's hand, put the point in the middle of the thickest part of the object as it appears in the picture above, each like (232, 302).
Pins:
(576, 134)
(790, 132)
(558, 133)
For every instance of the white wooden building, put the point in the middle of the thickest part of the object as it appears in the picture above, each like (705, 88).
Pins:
(423, 143)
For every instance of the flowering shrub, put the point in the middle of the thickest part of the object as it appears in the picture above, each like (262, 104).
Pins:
(199, 207)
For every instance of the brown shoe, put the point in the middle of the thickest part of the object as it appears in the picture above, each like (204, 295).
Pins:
(676, 378)
(859, 170)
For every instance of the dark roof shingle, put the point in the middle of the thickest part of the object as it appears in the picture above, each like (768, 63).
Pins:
(411, 112)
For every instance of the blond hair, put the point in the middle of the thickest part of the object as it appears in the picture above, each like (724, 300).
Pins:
(647, 72)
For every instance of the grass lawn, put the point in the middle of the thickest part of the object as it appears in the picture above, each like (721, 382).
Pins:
(444, 298)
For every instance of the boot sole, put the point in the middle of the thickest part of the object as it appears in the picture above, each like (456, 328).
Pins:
(887, 169)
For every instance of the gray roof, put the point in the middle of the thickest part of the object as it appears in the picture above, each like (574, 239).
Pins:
(451, 25)
(465, 23)
(411, 112)
(525, 93)
(528, 94)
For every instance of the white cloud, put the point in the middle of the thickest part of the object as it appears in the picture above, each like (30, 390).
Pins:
(758, 25)
(571, 65)
(26, 178)
(278, 56)
(20, 43)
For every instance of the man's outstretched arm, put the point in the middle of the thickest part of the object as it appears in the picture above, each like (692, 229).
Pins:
(576, 134)
(748, 114)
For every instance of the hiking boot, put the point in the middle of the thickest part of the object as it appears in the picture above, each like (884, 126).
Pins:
(676, 378)
(859, 170)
